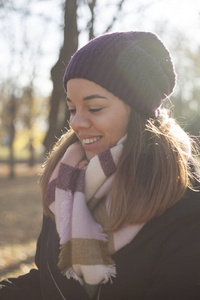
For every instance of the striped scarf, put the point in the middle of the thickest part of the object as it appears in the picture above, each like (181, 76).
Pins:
(78, 195)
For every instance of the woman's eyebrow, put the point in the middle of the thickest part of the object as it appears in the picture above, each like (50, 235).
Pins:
(93, 97)
(89, 97)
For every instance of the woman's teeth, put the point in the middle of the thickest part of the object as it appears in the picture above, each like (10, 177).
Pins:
(90, 141)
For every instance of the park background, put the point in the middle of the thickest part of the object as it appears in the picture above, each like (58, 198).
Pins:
(37, 39)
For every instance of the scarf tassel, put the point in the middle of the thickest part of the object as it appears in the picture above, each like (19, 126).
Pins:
(108, 272)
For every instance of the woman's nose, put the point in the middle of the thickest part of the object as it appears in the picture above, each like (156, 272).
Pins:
(79, 120)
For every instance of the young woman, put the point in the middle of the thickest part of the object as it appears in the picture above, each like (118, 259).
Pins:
(120, 188)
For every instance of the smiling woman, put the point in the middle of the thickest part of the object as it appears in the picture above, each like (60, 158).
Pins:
(121, 188)
(93, 112)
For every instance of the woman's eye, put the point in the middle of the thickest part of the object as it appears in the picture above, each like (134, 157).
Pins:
(95, 109)
(72, 111)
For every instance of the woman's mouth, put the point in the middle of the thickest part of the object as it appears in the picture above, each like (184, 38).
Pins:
(89, 141)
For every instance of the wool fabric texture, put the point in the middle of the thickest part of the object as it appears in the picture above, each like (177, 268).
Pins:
(135, 66)
(78, 196)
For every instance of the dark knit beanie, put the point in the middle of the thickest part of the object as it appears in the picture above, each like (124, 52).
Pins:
(134, 66)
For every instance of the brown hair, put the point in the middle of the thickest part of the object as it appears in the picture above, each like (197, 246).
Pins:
(153, 173)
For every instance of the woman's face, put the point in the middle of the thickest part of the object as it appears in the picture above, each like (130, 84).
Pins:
(98, 118)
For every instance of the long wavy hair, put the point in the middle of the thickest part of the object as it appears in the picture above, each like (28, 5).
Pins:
(154, 171)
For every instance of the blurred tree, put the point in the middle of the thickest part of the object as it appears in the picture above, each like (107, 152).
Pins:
(187, 94)
(58, 120)
(12, 111)
(26, 117)
(70, 44)
(90, 26)
(17, 89)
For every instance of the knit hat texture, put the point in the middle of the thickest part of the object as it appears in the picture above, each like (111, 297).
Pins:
(135, 66)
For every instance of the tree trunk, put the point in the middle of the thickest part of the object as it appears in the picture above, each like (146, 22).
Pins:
(70, 45)
(91, 5)
(12, 111)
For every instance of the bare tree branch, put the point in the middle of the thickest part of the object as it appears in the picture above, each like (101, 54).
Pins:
(116, 15)
(91, 5)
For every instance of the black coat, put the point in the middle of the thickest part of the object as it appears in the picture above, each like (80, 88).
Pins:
(162, 262)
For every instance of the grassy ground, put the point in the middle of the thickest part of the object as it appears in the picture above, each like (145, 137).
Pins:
(20, 219)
